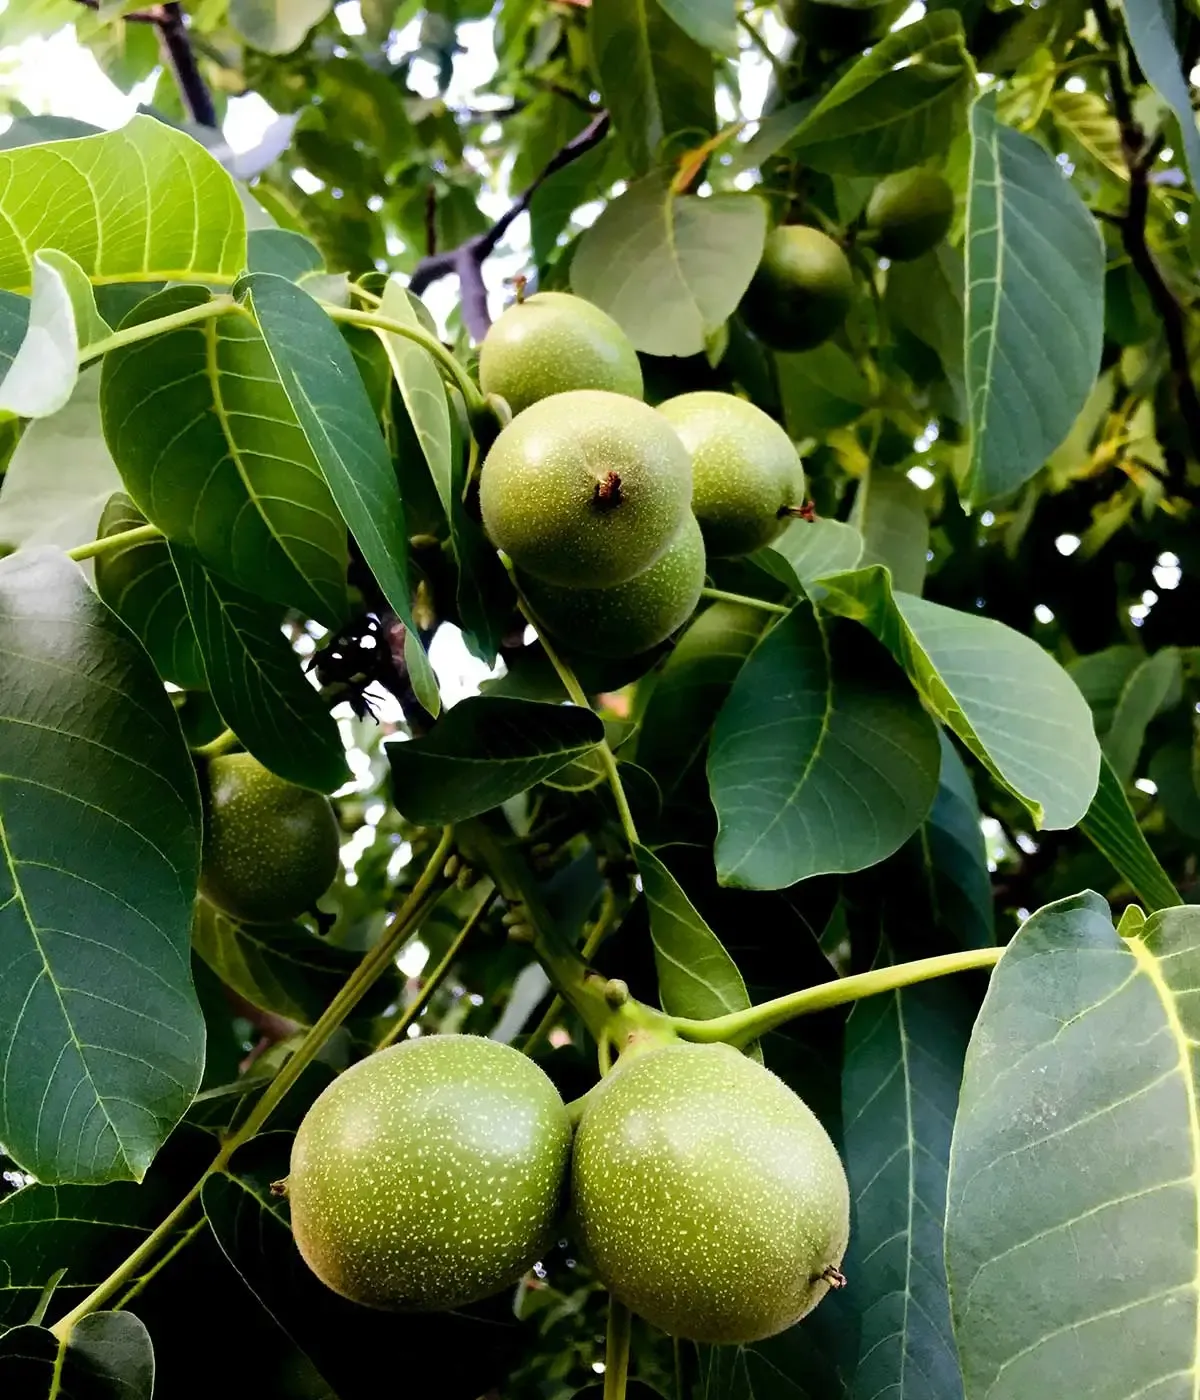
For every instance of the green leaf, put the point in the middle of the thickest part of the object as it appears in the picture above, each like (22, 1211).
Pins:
(256, 680)
(821, 389)
(899, 105)
(1112, 828)
(954, 856)
(138, 582)
(889, 513)
(822, 760)
(712, 23)
(484, 751)
(280, 968)
(1151, 25)
(1101, 677)
(42, 374)
(1077, 1136)
(926, 296)
(475, 1348)
(696, 976)
(283, 251)
(903, 1061)
(142, 204)
(1171, 772)
(1035, 306)
(276, 26)
(670, 269)
(1088, 118)
(326, 394)
(1155, 686)
(655, 80)
(211, 452)
(1008, 701)
(690, 690)
(59, 475)
(100, 836)
(108, 1356)
(808, 549)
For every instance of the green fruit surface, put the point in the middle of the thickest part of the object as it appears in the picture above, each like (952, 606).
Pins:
(801, 291)
(745, 470)
(554, 342)
(543, 483)
(630, 617)
(429, 1175)
(841, 28)
(270, 848)
(909, 213)
(709, 1196)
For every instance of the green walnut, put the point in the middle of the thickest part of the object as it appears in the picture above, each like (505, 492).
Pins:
(429, 1175)
(746, 472)
(631, 617)
(710, 1198)
(801, 291)
(909, 213)
(551, 343)
(586, 489)
(270, 847)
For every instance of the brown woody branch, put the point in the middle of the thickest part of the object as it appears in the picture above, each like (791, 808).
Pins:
(1140, 155)
(466, 261)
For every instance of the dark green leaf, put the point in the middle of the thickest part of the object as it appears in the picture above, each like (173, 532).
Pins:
(484, 751)
(904, 1056)
(1151, 25)
(889, 513)
(1035, 306)
(670, 269)
(808, 549)
(279, 250)
(327, 396)
(1171, 772)
(273, 27)
(138, 582)
(1080, 1078)
(211, 451)
(256, 679)
(108, 1356)
(899, 105)
(1102, 676)
(712, 23)
(347, 1344)
(696, 976)
(926, 297)
(655, 80)
(1156, 685)
(1111, 826)
(100, 831)
(1008, 701)
(37, 130)
(954, 857)
(821, 389)
(821, 760)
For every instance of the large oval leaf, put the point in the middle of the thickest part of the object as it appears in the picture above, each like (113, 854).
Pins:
(108, 1356)
(1008, 701)
(484, 751)
(1072, 1214)
(1035, 306)
(102, 1040)
(670, 269)
(256, 680)
(143, 204)
(211, 451)
(904, 1054)
(327, 397)
(821, 761)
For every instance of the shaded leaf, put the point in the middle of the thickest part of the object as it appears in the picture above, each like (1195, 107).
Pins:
(655, 80)
(1035, 306)
(139, 583)
(1102, 676)
(326, 394)
(820, 389)
(670, 269)
(1151, 26)
(808, 549)
(210, 450)
(1051, 1093)
(256, 680)
(1008, 701)
(283, 251)
(484, 751)
(712, 23)
(1112, 828)
(889, 513)
(955, 857)
(926, 297)
(904, 1056)
(1156, 685)
(276, 26)
(109, 1356)
(100, 831)
(822, 760)
(145, 203)
(899, 105)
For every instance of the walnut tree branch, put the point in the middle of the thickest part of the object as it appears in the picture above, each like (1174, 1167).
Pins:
(1140, 155)
(466, 261)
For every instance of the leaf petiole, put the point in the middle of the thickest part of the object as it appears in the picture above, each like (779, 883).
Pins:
(123, 539)
(720, 595)
(616, 1350)
(147, 330)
